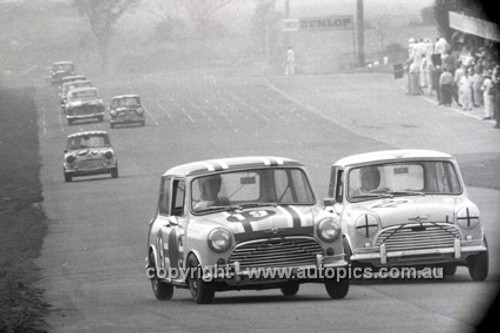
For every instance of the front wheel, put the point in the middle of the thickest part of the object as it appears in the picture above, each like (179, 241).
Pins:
(290, 289)
(337, 288)
(478, 265)
(163, 291)
(67, 178)
(114, 173)
(201, 291)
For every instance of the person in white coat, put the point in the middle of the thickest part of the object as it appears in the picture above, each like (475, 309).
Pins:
(290, 62)
(465, 86)
(488, 99)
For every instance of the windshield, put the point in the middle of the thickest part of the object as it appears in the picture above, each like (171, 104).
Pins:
(88, 141)
(415, 178)
(126, 101)
(84, 94)
(63, 67)
(251, 188)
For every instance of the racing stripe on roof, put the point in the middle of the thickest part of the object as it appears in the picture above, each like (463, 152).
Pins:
(208, 166)
(266, 161)
(223, 164)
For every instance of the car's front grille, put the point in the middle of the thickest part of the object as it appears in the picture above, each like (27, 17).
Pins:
(277, 252)
(90, 164)
(418, 236)
(85, 110)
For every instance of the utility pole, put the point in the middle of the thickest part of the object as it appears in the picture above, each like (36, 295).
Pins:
(287, 15)
(360, 33)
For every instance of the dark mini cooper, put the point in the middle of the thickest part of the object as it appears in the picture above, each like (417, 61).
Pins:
(59, 70)
(126, 109)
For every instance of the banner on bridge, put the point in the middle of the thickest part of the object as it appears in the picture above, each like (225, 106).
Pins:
(345, 22)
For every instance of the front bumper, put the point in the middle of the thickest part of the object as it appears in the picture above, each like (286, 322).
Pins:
(234, 274)
(380, 256)
(89, 172)
(85, 116)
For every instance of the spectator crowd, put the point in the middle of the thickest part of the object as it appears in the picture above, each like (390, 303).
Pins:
(461, 73)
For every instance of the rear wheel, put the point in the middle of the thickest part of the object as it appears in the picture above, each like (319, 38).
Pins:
(201, 291)
(290, 289)
(163, 291)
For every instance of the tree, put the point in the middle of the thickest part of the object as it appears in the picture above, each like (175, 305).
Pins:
(202, 11)
(102, 15)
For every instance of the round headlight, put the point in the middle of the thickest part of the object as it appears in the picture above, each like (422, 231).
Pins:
(108, 155)
(219, 240)
(328, 230)
(140, 111)
(112, 113)
(366, 225)
(70, 159)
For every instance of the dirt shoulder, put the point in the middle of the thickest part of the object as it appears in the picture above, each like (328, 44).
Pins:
(23, 224)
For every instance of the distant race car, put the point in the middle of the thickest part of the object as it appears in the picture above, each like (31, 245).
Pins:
(242, 216)
(66, 87)
(407, 208)
(59, 70)
(89, 153)
(126, 109)
(84, 104)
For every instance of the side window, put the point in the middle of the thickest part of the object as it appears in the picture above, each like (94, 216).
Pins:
(164, 204)
(178, 198)
(339, 186)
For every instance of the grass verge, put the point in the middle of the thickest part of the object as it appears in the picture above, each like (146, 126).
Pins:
(22, 222)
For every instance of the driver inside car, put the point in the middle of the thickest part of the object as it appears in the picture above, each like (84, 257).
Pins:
(209, 188)
(370, 181)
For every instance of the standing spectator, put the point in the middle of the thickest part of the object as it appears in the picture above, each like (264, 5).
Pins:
(466, 57)
(414, 79)
(477, 82)
(436, 74)
(441, 46)
(496, 95)
(459, 73)
(450, 62)
(465, 85)
(424, 77)
(446, 85)
(290, 62)
(488, 95)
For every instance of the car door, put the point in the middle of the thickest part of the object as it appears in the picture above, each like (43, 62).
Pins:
(171, 217)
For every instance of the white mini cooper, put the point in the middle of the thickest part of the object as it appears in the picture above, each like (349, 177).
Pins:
(230, 224)
(407, 208)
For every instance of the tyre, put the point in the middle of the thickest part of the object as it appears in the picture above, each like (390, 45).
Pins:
(201, 291)
(449, 269)
(70, 122)
(67, 177)
(143, 123)
(290, 289)
(347, 251)
(478, 265)
(111, 125)
(337, 288)
(163, 291)
(114, 172)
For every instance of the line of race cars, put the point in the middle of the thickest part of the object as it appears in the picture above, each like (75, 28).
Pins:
(254, 217)
(90, 152)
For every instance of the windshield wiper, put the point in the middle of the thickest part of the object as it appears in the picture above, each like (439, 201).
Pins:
(218, 208)
(408, 193)
(258, 204)
(373, 195)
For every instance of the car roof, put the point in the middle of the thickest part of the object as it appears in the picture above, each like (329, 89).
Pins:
(83, 89)
(387, 155)
(63, 63)
(124, 96)
(73, 77)
(67, 84)
(74, 135)
(231, 163)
